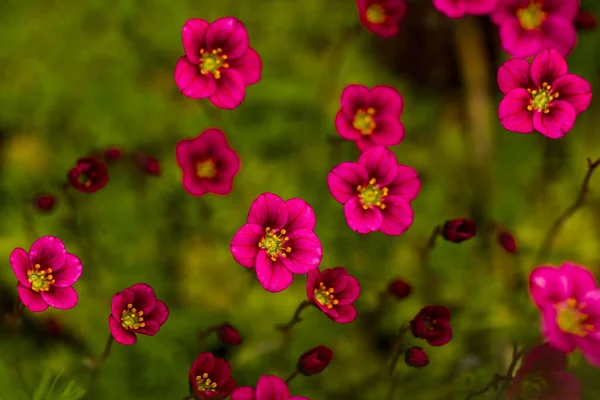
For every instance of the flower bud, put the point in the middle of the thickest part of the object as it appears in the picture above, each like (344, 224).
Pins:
(507, 241)
(149, 165)
(585, 20)
(228, 334)
(459, 230)
(416, 357)
(314, 360)
(44, 202)
(399, 289)
(112, 154)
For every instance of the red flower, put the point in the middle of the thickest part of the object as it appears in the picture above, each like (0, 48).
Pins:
(399, 289)
(228, 334)
(507, 241)
(333, 291)
(432, 323)
(89, 175)
(416, 357)
(44, 202)
(314, 360)
(210, 378)
(382, 17)
(459, 230)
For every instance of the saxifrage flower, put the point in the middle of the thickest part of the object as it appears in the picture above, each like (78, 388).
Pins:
(269, 387)
(432, 323)
(210, 378)
(46, 274)
(370, 117)
(460, 8)
(136, 310)
(376, 192)
(541, 96)
(382, 17)
(89, 175)
(333, 291)
(314, 361)
(278, 240)
(218, 62)
(209, 165)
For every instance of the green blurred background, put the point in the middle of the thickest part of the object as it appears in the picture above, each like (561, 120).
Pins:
(80, 76)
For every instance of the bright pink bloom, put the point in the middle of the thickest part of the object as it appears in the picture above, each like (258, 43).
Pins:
(569, 300)
(136, 310)
(541, 96)
(210, 378)
(460, 8)
(382, 17)
(370, 117)
(46, 274)
(278, 240)
(432, 323)
(218, 62)
(376, 192)
(542, 376)
(208, 163)
(269, 387)
(333, 291)
(529, 26)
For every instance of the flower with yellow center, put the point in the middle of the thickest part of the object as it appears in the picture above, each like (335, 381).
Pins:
(205, 384)
(40, 279)
(206, 169)
(571, 318)
(375, 14)
(372, 195)
(275, 243)
(212, 62)
(325, 296)
(542, 98)
(131, 318)
(532, 16)
(363, 121)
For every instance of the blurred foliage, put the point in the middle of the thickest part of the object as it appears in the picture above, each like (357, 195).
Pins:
(81, 76)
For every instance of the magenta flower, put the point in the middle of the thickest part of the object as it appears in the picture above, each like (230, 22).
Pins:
(541, 96)
(269, 387)
(569, 301)
(370, 117)
(218, 62)
(376, 192)
(529, 26)
(89, 175)
(460, 8)
(208, 163)
(136, 310)
(278, 240)
(432, 323)
(382, 17)
(210, 378)
(46, 275)
(333, 291)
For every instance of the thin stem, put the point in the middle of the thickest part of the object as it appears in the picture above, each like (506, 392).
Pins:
(295, 319)
(292, 376)
(427, 274)
(550, 236)
(399, 349)
(107, 348)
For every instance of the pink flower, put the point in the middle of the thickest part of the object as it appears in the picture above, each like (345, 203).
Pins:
(460, 8)
(382, 17)
(541, 96)
(529, 26)
(136, 310)
(542, 376)
(46, 274)
(278, 240)
(370, 117)
(210, 378)
(333, 291)
(569, 301)
(376, 192)
(269, 387)
(218, 62)
(208, 163)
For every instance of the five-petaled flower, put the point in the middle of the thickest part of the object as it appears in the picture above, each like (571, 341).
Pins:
(333, 291)
(210, 378)
(460, 8)
(209, 165)
(218, 62)
(278, 240)
(569, 301)
(529, 26)
(89, 175)
(136, 310)
(432, 323)
(46, 274)
(376, 192)
(382, 17)
(370, 117)
(541, 96)
(269, 387)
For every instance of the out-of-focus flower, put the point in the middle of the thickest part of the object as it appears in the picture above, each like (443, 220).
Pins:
(399, 288)
(44, 202)
(460, 8)
(432, 323)
(416, 357)
(382, 17)
(458, 230)
(314, 360)
(89, 175)
(269, 387)
(585, 20)
(507, 241)
(228, 334)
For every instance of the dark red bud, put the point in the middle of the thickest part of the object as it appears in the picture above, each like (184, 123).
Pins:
(149, 165)
(112, 154)
(228, 334)
(416, 357)
(507, 241)
(458, 230)
(585, 20)
(399, 289)
(44, 202)
(314, 360)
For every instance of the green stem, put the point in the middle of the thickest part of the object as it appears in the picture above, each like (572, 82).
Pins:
(295, 319)
(292, 376)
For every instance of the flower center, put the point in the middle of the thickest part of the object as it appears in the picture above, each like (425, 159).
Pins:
(205, 384)
(532, 16)
(571, 319)
(85, 180)
(325, 296)
(275, 244)
(533, 386)
(363, 121)
(131, 318)
(541, 98)
(40, 279)
(212, 62)
(371, 195)
(206, 169)
(376, 14)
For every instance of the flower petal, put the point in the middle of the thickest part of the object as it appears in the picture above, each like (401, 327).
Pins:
(344, 127)
(145, 297)
(300, 215)
(271, 388)
(361, 220)
(203, 364)
(244, 245)
(354, 97)
(518, 42)
(551, 331)
(150, 328)
(559, 34)
(350, 292)
(574, 90)
(397, 216)
(120, 301)
(591, 351)
(558, 122)
(380, 163)
(387, 101)
(272, 275)
(192, 35)
(564, 385)
(547, 66)
(344, 179)
(514, 73)
(191, 82)
(69, 273)
(19, 262)
(544, 358)
(49, 252)
(120, 334)
(346, 314)
(306, 253)
(406, 184)
(249, 66)
(230, 90)
(222, 372)
(335, 278)
(513, 113)
(548, 286)
(64, 298)
(268, 210)
(160, 314)
(32, 300)
(388, 132)
(228, 34)
(243, 393)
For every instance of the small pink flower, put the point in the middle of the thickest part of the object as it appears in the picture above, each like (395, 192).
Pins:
(370, 117)
(432, 323)
(333, 291)
(208, 163)
(46, 274)
(382, 17)
(210, 378)
(541, 96)
(136, 310)
(278, 240)
(218, 62)
(460, 8)
(529, 26)
(269, 387)
(376, 192)
(542, 376)
(569, 301)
